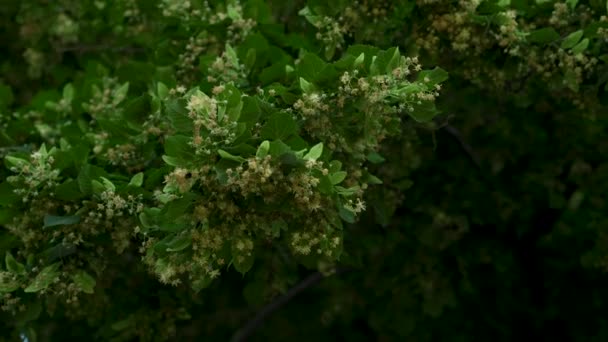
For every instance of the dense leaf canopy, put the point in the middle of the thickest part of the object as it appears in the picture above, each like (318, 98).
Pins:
(358, 170)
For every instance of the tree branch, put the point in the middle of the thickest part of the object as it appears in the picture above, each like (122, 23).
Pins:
(245, 332)
(455, 133)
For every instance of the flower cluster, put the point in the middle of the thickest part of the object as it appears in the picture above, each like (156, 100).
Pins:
(105, 99)
(35, 176)
(212, 126)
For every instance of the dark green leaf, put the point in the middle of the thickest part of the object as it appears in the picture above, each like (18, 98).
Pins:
(432, 77)
(84, 282)
(279, 126)
(51, 221)
(179, 243)
(543, 35)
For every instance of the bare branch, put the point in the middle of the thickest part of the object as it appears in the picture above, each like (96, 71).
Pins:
(246, 331)
(455, 133)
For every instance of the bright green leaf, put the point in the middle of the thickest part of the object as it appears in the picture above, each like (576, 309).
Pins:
(108, 185)
(337, 177)
(572, 39)
(137, 180)
(580, 47)
(162, 90)
(315, 152)
(263, 149)
(232, 157)
(306, 86)
(45, 278)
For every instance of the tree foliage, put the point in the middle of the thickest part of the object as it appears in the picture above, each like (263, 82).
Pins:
(170, 167)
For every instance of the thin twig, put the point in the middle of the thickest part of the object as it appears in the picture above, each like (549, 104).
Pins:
(455, 133)
(246, 331)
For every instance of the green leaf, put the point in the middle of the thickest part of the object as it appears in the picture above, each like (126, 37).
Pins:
(371, 179)
(338, 177)
(85, 179)
(359, 60)
(347, 191)
(16, 162)
(107, 184)
(45, 278)
(232, 157)
(173, 161)
(432, 77)
(580, 47)
(347, 215)
(315, 152)
(278, 148)
(314, 69)
(325, 186)
(279, 126)
(375, 158)
(234, 103)
(179, 243)
(98, 188)
(178, 115)
(121, 93)
(306, 86)
(13, 266)
(84, 281)
(232, 56)
(178, 146)
(335, 166)
(374, 70)
(8, 284)
(162, 90)
(68, 191)
(395, 59)
(68, 92)
(263, 149)
(572, 4)
(51, 221)
(424, 112)
(543, 35)
(251, 110)
(315, 20)
(572, 39)
(137, 180)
